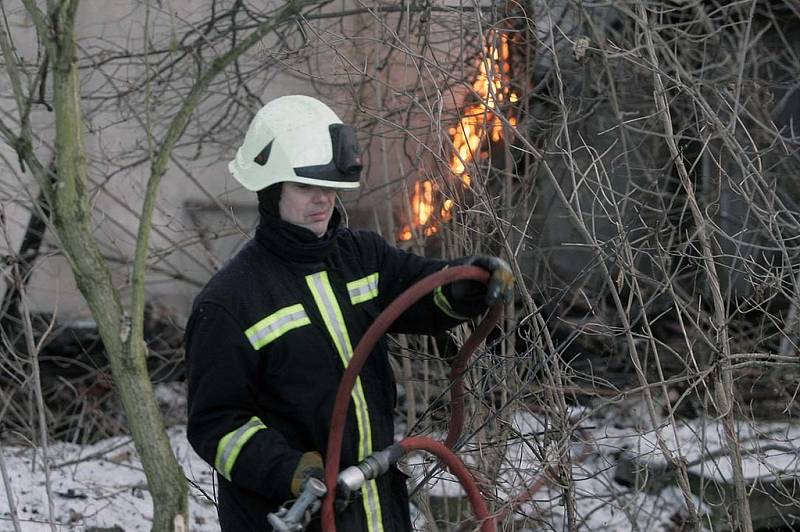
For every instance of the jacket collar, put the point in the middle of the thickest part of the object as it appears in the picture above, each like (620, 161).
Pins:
(294, 243)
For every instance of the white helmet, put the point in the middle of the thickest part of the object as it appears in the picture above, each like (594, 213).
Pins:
(298, 139)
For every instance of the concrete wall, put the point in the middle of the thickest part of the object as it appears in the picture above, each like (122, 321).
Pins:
(365, 66)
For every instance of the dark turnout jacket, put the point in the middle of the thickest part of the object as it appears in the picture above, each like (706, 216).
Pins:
(266, 346)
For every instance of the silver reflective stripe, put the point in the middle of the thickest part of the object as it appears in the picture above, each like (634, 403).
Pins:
(276, 324)
(363, 289)
(331, 314)
(231, 444)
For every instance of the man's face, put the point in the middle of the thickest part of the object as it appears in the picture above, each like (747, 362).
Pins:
(308, 206)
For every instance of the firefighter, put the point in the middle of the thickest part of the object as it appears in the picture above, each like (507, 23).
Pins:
(271, 333)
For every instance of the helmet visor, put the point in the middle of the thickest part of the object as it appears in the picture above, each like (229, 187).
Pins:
(346, 164)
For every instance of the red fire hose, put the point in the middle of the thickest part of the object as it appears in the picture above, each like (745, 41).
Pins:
(457, 467)
(457, 373)
(363, 350)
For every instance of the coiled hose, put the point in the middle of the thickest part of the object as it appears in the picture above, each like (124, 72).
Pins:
(360, 354)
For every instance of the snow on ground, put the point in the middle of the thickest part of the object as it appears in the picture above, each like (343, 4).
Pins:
(98, 486)
(102, 486)
(602, 503)
(768, 449)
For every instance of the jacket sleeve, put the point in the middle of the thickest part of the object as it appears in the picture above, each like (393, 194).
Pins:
(435, 312)
(223, 371)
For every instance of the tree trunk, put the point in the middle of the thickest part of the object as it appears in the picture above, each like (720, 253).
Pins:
(10, 323)
(121, 332)
(72, 220)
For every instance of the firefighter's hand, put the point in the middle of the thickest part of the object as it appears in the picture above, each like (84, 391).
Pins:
(501, 280)
(310, 465)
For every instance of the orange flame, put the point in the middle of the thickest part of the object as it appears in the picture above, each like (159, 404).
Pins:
(478, 120)
(478, 123)
(422, 209)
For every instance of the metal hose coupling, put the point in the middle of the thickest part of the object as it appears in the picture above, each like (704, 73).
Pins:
(295, 518)
(374, 465)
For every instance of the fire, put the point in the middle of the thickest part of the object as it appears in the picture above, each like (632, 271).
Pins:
(479, 121)
(478, 125)
(422, 209)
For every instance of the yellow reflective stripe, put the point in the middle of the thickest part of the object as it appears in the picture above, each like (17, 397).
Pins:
(273, 326)
(231, 444)
(321, 289)
(444, 305)
(363, 289)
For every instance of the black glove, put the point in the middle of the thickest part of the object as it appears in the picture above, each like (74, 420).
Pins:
(501, 281)
(310, 465)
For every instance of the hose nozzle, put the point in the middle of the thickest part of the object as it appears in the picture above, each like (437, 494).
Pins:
(374, 465)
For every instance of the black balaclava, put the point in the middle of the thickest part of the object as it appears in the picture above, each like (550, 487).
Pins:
(268, 200)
